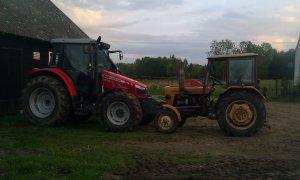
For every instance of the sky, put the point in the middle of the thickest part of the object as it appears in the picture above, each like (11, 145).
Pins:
(184, 28)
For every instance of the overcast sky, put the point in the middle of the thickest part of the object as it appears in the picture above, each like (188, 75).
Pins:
(184, 27)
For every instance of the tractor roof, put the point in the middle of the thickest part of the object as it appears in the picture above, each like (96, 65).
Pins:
(72, 41)
(79, 41)
(226, 56)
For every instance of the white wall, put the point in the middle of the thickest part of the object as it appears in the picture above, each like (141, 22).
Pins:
(297, 62)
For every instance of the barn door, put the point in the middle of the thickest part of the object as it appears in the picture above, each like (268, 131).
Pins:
(10, 79)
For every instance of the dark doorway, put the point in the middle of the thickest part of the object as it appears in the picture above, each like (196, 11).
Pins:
(11, 80)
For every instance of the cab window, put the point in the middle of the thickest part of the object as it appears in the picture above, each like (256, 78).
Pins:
(75, 58)
(241, 70)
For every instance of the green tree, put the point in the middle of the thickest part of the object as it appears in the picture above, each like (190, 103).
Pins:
(222, 47)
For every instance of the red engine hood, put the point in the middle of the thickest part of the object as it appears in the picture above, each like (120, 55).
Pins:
(123, 78)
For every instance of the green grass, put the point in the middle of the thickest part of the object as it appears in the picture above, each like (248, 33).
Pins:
(76, 151)
(81, 150)
(156, 90)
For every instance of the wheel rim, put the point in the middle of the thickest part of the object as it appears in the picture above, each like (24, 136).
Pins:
(42, 102)
(241, 114)
(118, 113)
(165, 122)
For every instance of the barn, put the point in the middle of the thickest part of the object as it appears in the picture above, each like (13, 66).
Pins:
(26, 28)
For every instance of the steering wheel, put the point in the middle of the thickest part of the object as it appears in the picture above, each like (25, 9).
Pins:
(215, 81)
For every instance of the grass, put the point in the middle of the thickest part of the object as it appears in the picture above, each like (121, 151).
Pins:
(29, 152)
(81, 150)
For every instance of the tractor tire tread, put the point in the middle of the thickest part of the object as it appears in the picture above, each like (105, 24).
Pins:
(63, 100)
(133, 102)
(257, 103)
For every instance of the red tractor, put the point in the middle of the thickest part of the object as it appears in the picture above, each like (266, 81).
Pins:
(82, 80)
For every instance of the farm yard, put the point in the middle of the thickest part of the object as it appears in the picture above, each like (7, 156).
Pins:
(68, 83)
(83, 150)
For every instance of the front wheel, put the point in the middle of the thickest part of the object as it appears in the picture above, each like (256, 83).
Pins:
(120, 111)
(166, 121)
(241, 113)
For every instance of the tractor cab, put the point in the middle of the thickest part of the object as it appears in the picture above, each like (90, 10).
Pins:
(235, 70)
(83, 60)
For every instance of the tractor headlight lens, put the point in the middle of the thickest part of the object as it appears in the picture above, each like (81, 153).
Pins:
(140, 89)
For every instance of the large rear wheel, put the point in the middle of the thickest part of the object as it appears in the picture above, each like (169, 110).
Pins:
(241, 113)
(46, 101)
(120, 112)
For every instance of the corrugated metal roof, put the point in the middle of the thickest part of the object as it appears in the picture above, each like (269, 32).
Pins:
(37, 19)
(231, 56)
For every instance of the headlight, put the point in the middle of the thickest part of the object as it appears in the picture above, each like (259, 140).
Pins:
(140, 89)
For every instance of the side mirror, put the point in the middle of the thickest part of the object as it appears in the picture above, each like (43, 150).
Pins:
(120, 55)
(117, 51)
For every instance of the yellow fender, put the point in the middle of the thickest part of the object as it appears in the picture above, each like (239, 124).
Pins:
(172, 108)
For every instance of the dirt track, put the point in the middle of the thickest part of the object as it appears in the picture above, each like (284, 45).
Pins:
(274, 152)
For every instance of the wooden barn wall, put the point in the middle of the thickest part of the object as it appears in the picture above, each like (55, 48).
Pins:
(16, 61)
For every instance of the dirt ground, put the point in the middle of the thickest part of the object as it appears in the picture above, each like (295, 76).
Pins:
(272, 153)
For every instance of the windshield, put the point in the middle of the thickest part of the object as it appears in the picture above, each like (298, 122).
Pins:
(105, 62)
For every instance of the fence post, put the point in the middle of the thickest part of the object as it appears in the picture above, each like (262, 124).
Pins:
(276, 89)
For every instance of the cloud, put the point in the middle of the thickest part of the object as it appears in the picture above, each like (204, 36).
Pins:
(289, 19)
(280, 31)
(291, 8)
(86, 18)
(184, 27)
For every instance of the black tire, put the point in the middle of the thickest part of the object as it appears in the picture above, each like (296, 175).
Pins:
(146, 119)
(46, 101)
(128, 107)
(241, 113)
(166, 121)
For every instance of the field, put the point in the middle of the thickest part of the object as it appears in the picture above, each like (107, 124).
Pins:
(83, 150)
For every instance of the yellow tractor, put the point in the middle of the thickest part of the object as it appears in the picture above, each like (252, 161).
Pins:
(238, 107)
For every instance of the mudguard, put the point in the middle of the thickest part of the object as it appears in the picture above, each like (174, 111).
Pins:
(58, 73)
(172, 108)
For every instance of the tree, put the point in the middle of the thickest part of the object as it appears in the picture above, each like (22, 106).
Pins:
(265, 51)
(248, 46)
(222, 47)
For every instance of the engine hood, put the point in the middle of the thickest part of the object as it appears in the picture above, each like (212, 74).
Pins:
(121, 78)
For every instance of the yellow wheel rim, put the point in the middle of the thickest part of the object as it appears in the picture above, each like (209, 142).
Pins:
(241, 114)
(165, 122)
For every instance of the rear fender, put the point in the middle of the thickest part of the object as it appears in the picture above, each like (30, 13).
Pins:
(58, 73)
(240, 88)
